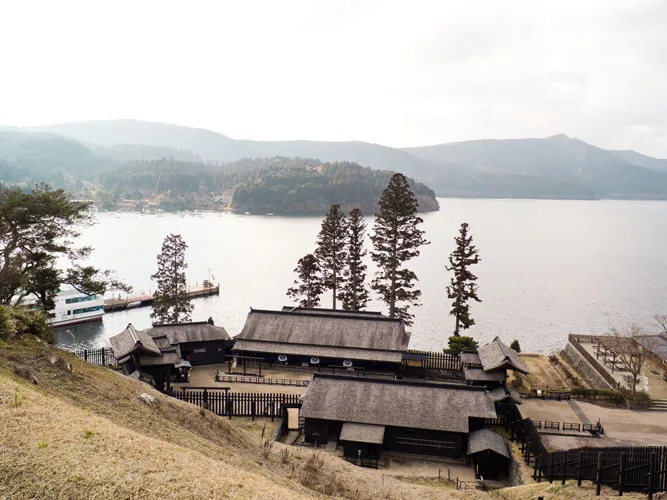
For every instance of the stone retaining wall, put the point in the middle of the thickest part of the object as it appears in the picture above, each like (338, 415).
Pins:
(584, 368)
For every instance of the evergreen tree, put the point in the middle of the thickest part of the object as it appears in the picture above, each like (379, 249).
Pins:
(330, 252)
(171, 303)
(309, 282)
(396, 240)
(354, 293)
(463, 286)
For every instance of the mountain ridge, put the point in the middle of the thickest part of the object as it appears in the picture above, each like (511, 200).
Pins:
(554, 167)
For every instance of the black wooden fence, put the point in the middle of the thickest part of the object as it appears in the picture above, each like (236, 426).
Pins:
(238, 404)
(101, 356)
(630, 468)
(440, 361)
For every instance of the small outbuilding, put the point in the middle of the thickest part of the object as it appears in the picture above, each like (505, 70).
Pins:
(324, 337)
(368, 415)
(489, 366)
(489, 454)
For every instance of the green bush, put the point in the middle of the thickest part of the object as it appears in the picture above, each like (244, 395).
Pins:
(515, 345)
(16, 321)
(460, 344)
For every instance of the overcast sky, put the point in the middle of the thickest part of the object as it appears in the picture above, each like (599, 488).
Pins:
(396, 73)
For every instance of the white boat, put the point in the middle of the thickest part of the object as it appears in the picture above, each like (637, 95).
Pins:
(72, 306)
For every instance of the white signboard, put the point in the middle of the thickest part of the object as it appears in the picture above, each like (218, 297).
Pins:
(645, 384)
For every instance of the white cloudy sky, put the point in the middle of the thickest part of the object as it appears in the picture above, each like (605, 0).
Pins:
(396, 73)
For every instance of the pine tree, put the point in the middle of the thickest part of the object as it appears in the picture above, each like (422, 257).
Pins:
(463, 286)
(396, 240)
(354, 293)
(330, 251)
(309, 282)
(171, 303)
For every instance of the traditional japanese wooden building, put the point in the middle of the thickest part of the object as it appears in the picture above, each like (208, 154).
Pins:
(324, 337)
(164, 353)
(488, 366)
(368, 415)
(200, 343)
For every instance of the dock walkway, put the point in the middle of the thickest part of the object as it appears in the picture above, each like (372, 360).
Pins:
(122, 303)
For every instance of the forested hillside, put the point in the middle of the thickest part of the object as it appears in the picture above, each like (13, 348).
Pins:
(278, 185)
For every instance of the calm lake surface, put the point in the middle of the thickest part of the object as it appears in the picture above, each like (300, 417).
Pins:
(549, 268)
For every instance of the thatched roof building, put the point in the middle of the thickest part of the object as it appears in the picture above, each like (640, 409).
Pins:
(324, 333)
(497, 356)
(182, 333)
(132, 341)
(370, 414)
(397, 403)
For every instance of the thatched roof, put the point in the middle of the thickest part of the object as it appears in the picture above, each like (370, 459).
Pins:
(338, 312)
(316, 327)
(398, 403)
(495, 355)
(167, 357)
(470, 358)
(485, 439)
(502, 393)
(180, 333)
(362, 433)
(319, 351)
(132, 341)
(479, 375)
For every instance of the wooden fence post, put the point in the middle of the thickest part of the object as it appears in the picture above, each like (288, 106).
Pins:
(85, 354)
(103, 363)
(581, 460)
(564, 468)
(651, 468)
(621, 467)
(252, 409)
(598, 475)
(551, 467)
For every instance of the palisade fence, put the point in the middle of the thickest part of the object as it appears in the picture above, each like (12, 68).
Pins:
(440, 361)
(629, 468)
(101, 356)
(238, 404)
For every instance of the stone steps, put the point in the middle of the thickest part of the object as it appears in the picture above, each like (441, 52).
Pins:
(658, 405)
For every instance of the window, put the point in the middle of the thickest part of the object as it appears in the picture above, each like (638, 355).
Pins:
(449, 445)
(75, 300)
(87, 310)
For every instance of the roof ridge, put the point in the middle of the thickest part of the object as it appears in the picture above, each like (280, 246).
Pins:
(336, 316)
(416, 383)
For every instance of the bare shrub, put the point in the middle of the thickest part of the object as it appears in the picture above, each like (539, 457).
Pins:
(311, 470)
(284, 455)
(266, 448)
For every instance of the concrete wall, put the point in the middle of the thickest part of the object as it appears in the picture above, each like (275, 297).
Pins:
(584, 368)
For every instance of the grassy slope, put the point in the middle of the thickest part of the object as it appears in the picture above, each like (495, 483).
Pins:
(85, 433)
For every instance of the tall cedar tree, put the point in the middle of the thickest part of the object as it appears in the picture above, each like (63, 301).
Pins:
(463, 286)
(396, 240)
(309, 282)
(355, 293)
(330, 252)
(171, 303)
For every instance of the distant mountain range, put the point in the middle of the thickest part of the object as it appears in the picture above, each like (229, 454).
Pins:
(554, 167)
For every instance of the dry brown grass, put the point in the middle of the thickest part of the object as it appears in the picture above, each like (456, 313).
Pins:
(85, 433)
(545, 370)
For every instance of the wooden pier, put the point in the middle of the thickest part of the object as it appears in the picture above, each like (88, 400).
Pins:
(122, 303)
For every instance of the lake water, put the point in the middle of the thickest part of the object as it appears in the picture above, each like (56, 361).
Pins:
(549, 268)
